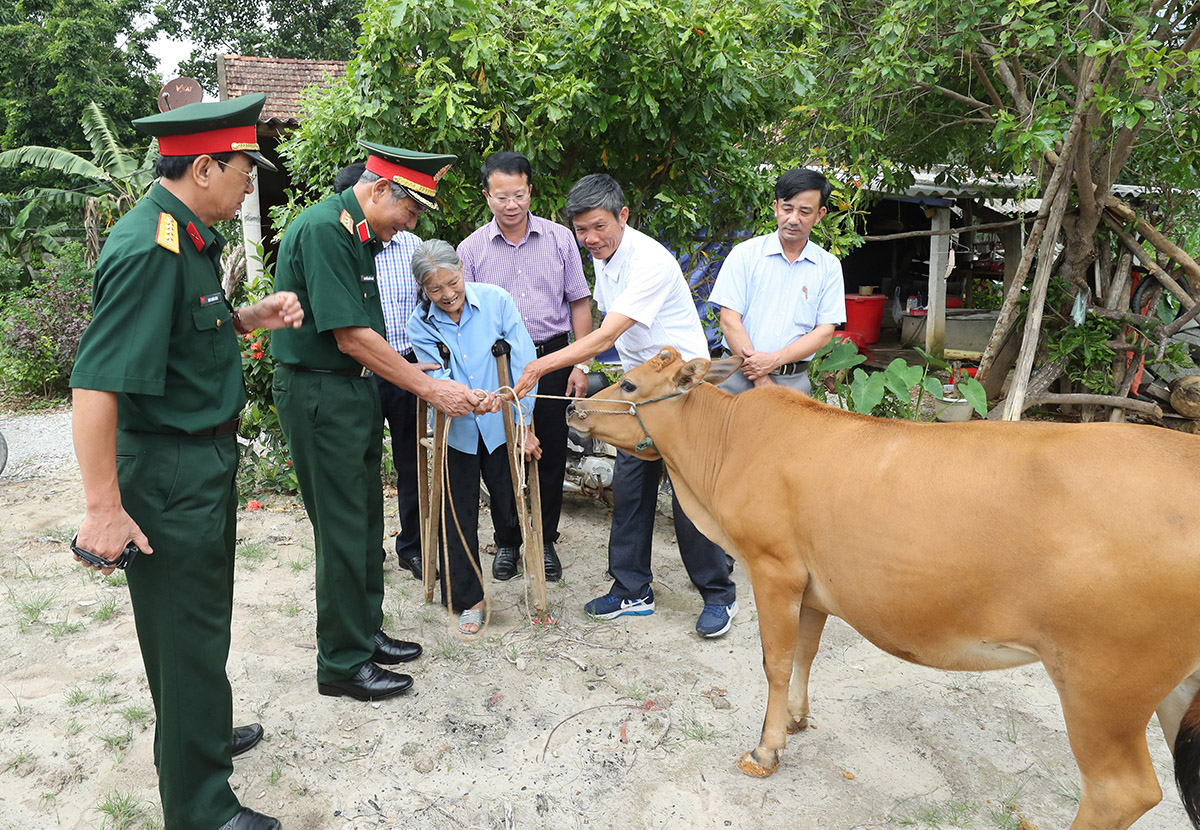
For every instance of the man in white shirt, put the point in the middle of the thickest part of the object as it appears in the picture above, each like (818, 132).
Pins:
(781, 295)
(647, 305)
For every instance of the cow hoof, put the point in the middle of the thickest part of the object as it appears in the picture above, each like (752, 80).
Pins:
(797, 726)
(750, 766)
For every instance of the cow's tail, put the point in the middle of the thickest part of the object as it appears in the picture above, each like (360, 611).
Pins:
(1187, 746)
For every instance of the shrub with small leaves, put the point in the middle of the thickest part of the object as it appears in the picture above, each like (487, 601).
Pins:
(41, 324)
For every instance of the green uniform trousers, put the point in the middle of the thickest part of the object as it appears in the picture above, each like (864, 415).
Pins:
(334, 429)
(181, 492)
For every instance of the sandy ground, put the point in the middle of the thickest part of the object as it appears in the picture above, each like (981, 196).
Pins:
(635, 723)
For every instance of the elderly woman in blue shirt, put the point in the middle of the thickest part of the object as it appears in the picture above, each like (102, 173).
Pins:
(455, 326)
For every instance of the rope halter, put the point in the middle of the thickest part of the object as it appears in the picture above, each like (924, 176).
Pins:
(631, 408)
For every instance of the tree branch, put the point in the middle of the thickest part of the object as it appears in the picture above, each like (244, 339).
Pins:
(987, 82)
(1162, 276)
(889, 237)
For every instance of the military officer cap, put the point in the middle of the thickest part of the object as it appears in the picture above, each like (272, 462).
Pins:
(417, 173)
(209, 127)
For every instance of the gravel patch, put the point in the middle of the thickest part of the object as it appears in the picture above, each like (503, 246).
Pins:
(39, 444)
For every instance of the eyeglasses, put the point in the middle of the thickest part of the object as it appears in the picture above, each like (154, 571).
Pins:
(227, 166)
(516, 198)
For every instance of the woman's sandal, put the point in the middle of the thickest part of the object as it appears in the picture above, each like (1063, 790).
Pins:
(472, 616)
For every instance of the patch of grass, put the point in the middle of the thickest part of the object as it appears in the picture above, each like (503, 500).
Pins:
(29, 608)
(62, 629)
(77, 696)
(1069, 790)
(105, 609)
(694, 730)
(450, 648)
(252, 554)
(116, 579)
(15, 763)
(74, 727)
(1004, 814)
(938, 815)
(117, 740)
(291, 608)
(121, 811)
(136, 715)
(106, 697)
(104, 678)
(300, 564)
(275, 774)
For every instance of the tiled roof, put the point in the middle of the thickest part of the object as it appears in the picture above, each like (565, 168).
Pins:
(282, 79)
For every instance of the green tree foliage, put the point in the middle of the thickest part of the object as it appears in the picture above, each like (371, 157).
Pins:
(677, 99)
(119, 177)
(57, 55)
(314, 29)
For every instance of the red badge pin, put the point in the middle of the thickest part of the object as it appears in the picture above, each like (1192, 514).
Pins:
(197, 239)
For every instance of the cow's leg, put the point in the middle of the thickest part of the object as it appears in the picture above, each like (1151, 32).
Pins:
(778, 606)
(812, 623)
(1107, 730)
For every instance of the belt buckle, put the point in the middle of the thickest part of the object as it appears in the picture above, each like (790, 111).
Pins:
(365, 372)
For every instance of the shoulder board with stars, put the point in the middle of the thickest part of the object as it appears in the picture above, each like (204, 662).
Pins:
(168, 232)
(347, 221)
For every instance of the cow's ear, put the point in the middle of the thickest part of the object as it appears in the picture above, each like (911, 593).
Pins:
(721, 369)
(691, 374)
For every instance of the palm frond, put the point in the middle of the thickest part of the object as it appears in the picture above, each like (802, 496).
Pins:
(109, 155)
(51, 158)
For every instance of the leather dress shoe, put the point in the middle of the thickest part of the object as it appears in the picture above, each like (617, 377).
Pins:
(245, 737)
(388, 652)
(369, 683)
(412, 565)
(506, 565)
(247, 819)
(553, 566)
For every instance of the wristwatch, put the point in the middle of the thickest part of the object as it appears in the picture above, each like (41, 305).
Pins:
(583, 367)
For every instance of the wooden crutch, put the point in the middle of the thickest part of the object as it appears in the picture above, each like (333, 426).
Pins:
(531, 519)
(429, 498)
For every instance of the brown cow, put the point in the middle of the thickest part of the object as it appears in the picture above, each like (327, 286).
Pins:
(1107, 599)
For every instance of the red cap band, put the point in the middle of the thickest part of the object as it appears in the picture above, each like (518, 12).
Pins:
(227, 140)
(420, 182)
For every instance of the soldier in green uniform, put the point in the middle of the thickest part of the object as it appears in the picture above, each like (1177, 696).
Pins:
(329, 405)
(157, 392)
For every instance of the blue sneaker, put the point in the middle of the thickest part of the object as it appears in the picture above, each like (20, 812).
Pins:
(609, 607)
(716, 619)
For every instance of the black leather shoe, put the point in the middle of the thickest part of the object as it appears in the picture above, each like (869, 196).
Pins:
(245, 737)
(506, 565)
(247, 819)
(389, 652)
(369, 683)
(553, 566)
(412, 565)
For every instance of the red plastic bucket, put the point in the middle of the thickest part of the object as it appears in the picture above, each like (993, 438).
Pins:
(864, 315)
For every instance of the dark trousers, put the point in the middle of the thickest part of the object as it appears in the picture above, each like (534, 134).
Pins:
(335, 435)
(400, 411)
(550, 424)
(464, 470)
(635, 496)
(180, 491)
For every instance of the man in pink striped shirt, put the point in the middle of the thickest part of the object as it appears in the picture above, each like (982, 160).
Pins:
(538, 263)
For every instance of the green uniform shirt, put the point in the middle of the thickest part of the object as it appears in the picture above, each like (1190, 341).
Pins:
(161, 335)
(328, 259)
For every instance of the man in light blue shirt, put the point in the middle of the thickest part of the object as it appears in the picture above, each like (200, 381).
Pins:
(781, 295)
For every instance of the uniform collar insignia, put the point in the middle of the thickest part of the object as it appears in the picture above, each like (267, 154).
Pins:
(197, 239)
(364, 232)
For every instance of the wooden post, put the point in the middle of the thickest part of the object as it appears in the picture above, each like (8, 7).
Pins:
(429, 493)
(939, 259)
(530, 519)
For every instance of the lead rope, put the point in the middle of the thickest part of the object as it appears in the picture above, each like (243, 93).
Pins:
(522, 432)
